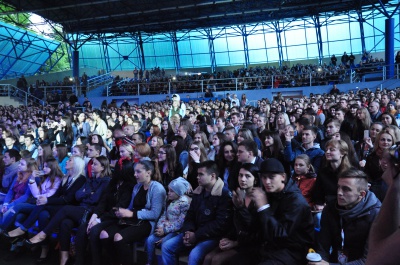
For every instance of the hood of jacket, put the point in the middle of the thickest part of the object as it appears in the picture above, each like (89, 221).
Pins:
(370, 201)
(315, 146)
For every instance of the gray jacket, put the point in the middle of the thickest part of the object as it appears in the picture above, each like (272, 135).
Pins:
(10, 172)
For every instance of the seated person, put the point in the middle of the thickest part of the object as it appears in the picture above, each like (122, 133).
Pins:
(345, 223)
(207, 219)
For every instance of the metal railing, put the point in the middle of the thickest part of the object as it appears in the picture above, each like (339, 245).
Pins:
(20, 95)
(281, 79)
(97, 81)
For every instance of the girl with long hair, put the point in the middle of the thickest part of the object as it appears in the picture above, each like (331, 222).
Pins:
(374, 166)
(388, 119)
(43, 184)
(273, 145)
(202, 137)
(147, 202)
(281, 121)
(166, 132)
(64, 133)
(70, 215)
(44, 152)
(124, 166)
(218, 139)
(19, 191)
(170, 168)
(363, 123)
(60, 152)
(304, 176)
(197, 154)
(244, 237)
(227, 162)
(337, 161)
(155, 143)
(82, 127)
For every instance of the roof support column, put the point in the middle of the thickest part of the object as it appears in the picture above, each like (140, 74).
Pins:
(245, 46)
(389, 47)
(141, 53)
(361, 21)
(317, 25)
(106, 55)
(211, 49)
(175, 49)
(278, 31)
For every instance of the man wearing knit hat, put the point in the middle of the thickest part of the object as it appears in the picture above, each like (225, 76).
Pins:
(287, 226)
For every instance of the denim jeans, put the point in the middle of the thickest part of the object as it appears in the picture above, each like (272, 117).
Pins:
(175, 245)
(151, 245)
(9, 216)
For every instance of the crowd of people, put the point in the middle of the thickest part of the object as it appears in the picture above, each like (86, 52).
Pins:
(223, 181)
(297, 75)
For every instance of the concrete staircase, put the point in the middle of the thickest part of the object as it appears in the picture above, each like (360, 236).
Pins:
(8, 101)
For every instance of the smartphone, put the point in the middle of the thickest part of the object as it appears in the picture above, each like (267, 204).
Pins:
(366, 133)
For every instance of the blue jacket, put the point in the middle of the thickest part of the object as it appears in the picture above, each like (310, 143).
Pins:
(315, 153)
(90, 193)
(155, 202)
(10, 195)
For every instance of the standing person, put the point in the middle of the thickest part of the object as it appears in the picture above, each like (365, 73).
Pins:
(177, 107)
(100, 127)
(346, 222)
(64, 132)
(207, 219)
(82, 127)
(286, 224)
(172, 219)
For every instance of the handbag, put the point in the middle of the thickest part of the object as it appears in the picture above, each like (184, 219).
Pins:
(130, 222)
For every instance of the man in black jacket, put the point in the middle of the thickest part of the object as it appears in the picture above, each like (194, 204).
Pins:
(287, 226)
(345, 223)
(207, 220)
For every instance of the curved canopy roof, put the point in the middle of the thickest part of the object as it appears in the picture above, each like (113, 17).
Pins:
(115, 16)
(23, 52)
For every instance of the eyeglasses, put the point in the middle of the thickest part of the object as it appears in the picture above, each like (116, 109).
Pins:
(162, 153)
(194, 149)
